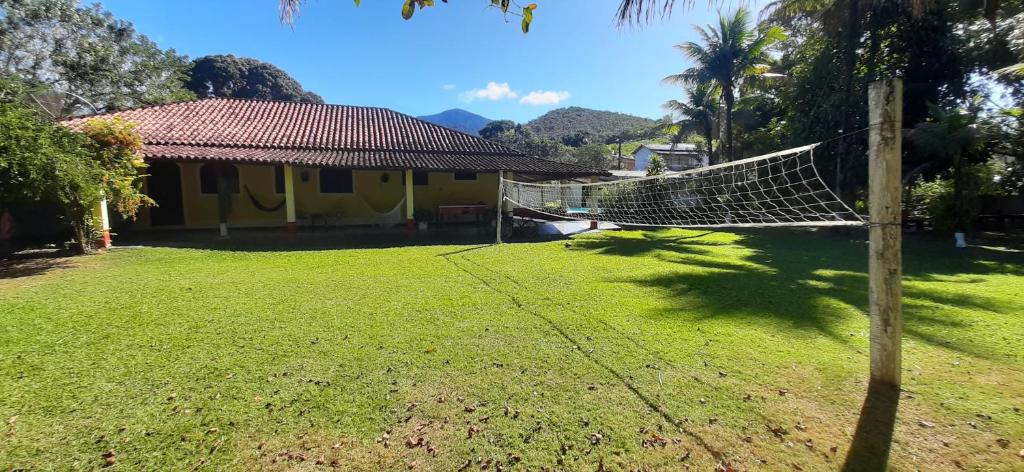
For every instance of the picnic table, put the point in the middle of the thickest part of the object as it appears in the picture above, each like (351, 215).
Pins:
(447, 213)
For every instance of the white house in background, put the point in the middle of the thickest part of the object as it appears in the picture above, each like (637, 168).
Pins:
(677, 157)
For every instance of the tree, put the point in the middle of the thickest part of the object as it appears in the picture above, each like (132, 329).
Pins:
(87, 54)
(698, 114)
(955, 138)
(496, 128)
(656, 166)
(520, 138)
(243, 77)
(730, 55)
(592, 156)
(44, 161)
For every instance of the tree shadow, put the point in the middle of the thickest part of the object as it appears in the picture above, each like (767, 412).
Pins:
(808, 280)
(28, 265)
(872, 440)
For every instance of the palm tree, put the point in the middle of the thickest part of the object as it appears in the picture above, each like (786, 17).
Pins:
(698, 112)
(731, 55)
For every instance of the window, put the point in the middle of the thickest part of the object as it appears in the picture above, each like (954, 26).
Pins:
(209, 173)
(465, 176)
(279, 179)
(420, 178)
(335, 180)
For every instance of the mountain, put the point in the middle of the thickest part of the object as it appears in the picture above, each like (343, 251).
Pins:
(459, 120)
(600, 125)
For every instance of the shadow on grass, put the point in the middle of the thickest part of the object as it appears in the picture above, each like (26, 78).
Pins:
(872, 439)
(804, 278)
(18, 266)
(649, 402)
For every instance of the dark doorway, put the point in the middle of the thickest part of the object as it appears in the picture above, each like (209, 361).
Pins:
(164, 183)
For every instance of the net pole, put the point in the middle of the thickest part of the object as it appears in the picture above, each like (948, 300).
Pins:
(501, 203)
(885, 105)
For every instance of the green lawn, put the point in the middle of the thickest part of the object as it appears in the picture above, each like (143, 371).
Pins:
(631, 350)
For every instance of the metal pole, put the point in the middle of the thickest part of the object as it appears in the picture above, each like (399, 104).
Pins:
(885, 113)
(501, 202)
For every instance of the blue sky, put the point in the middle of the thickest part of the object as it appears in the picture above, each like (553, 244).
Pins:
(461, 54)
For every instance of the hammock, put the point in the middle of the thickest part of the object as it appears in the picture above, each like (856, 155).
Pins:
(391, 217)
(259, 206)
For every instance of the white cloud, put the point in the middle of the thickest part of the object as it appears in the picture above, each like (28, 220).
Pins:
(448, 86)
(545, 97)
(493, 91)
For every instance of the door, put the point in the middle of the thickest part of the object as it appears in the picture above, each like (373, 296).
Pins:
(164, 186)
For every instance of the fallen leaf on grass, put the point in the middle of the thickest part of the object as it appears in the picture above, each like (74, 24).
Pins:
(1003, 443)
(109, 458)
(778, 431)
(656, 440)
(925, 424)
(595, 438)
(800, 427)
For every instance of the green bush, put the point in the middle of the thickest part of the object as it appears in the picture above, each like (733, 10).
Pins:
(937, 200)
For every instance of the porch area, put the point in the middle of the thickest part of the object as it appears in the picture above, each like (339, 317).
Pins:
(208, 195)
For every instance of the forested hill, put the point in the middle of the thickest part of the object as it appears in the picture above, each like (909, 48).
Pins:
(600, 125)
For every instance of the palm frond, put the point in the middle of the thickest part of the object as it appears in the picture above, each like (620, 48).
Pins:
(289, 10)
(637, 12)
(1016, 70)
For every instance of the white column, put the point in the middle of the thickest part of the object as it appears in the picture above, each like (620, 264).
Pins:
(100, 212)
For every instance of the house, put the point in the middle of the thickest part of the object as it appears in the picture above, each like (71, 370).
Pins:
(677, 157)
(252, 163)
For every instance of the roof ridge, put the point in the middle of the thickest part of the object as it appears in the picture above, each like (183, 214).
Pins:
(278, 147)
(225, 99)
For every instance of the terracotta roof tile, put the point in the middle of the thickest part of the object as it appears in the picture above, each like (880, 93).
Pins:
(261, 131)
(447, 161)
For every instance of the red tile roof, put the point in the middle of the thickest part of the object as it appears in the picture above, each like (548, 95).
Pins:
(311, 134)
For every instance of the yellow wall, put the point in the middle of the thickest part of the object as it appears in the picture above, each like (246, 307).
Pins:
(370, 197)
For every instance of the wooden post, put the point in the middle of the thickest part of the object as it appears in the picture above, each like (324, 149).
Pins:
(885, 265)
(289, 198)
(501, 203)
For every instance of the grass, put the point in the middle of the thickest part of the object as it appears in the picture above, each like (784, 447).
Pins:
(628, 350)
